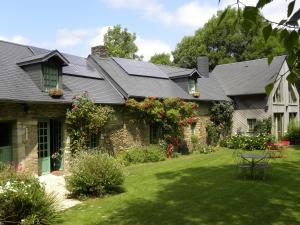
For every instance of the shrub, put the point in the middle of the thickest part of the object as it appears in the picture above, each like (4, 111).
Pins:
(247, 142)
(94, 174)
(263, 126)
(213, 134)
(195, 141)
(293, 133)
(204, 149)
(24, 200)
(151, 153)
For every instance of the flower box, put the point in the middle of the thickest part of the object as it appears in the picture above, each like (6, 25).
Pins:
(56, 92)
(196, 94)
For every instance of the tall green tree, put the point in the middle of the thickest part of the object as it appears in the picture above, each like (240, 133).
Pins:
(288, 29)
(226, 42)
(119, 42)
(162, 58)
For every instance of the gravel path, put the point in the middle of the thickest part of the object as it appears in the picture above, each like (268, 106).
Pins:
(56, 185)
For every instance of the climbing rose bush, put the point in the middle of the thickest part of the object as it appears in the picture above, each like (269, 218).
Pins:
(85, 118)
(172, 114)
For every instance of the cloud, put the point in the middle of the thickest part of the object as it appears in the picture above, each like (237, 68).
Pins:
(72, 37)
(16, 39)
(274, 11)
(192, 14)
(150, 47)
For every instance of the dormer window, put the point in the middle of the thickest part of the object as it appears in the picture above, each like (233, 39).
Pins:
(50, 77)
(192, 86)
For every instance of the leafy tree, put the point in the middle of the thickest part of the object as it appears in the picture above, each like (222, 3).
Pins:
(120, 43)
(287, 29)
(226, 42)
(162, 58)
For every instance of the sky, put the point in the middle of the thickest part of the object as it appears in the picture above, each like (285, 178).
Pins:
(74, 26)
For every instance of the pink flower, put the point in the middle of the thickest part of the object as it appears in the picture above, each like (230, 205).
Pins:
(190, 120)
(78, 97)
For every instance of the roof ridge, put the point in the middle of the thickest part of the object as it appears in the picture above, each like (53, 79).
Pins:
(250, 60)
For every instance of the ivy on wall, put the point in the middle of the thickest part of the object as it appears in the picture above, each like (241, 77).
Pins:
(84, 119)
(221, 121)
(172, 114)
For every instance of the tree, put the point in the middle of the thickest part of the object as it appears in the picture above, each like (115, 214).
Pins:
(162, 58)
(120, 43)
(287, 29)
(226, 42)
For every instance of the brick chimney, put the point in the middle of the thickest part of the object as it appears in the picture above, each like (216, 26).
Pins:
(99, 50)
(203, 66)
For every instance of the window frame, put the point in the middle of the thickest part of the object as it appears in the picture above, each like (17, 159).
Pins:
(154, 133)
(93, 141)
(291, 93)
(192, 85)
(253, 122)
(46, 76)
(278, 97)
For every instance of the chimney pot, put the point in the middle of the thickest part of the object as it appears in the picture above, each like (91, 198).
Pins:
(99, 50)
(203, 66)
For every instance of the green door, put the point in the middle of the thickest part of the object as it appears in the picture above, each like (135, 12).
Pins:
(5, 143)
(43, 147)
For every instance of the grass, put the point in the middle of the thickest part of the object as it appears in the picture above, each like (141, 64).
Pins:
(198, 189)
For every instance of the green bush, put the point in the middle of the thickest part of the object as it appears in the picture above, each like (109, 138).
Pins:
(263, 126)
(213, 134)
(24, 200)
(204, 149)
(94, 174)
(151, 153)
(247, 142)
(293, 133)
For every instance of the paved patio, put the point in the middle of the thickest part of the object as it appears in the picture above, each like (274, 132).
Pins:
(56, 184)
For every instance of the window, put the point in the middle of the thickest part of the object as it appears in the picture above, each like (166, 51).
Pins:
(154, 133)
(292, 95)
(292, 117)
(193, 128)
(278, 96)
(192, 86)
(251, 124)
(93, 141)
(50, 77)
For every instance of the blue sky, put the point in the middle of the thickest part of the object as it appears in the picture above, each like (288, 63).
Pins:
(75, 26)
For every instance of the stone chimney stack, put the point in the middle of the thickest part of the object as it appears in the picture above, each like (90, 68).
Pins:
(99, 50)
(203, 66)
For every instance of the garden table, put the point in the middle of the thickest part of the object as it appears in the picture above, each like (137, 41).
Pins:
(253, 160)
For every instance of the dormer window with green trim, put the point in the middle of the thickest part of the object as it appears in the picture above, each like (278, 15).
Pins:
(278, 96)
(292, 95)
(192, 86)
(50, 77)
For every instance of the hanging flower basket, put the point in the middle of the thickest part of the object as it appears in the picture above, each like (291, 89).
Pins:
(56, 92)
(196, 94)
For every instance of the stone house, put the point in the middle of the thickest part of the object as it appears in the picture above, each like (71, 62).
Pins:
(32, 123)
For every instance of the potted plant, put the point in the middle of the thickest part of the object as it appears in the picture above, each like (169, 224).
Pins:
(56, 92)
(196, 94)
(57, 158)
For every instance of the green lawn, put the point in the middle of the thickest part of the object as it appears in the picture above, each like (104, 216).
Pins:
(198, 189)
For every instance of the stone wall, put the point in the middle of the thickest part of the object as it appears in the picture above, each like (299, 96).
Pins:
(124, 132)
(24, 119)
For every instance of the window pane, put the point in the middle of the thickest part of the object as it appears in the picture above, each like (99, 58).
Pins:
(50, 74)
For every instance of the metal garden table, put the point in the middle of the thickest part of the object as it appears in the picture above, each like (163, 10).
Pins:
(253, 160)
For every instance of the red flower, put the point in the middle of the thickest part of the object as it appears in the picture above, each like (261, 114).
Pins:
(170, 149)
(190, 120)
(162, 113)
(194, 106)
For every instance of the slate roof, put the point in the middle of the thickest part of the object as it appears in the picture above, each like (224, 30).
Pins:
(176, 72)
(247, 77)
(139, 86)
(17, 85)
(211, 90)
